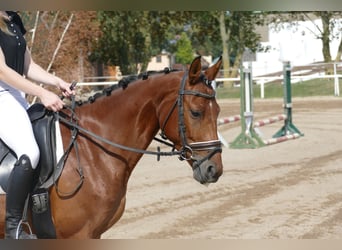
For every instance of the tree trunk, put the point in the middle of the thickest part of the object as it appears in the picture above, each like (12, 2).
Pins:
(339, 52)
(238, 58)
(325, 36)
(225, 38)
(326, 16)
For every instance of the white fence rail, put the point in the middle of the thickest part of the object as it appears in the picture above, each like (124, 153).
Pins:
(263, 80)
(260, 80)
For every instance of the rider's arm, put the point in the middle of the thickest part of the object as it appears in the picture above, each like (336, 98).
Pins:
(36, 73)
(12, 78)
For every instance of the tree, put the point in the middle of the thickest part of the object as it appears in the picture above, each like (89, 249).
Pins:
(71, 60)
(240, 35)
(184, 53)
(130, 38)
(223, 33)
(330, 20)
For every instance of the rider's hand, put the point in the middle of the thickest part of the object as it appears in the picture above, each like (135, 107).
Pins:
(66, 88)
(51, 101)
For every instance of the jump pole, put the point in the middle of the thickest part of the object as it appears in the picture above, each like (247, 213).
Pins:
(248, 138)
(281, 139)
(269, 121)
(289, 128)
(229, 119)
(235, 118)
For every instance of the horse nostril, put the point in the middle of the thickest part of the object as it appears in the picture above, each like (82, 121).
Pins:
(211, 171)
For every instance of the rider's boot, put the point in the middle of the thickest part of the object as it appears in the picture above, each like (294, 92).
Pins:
(19, 186)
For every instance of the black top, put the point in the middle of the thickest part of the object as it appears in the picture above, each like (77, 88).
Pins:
(14, 46)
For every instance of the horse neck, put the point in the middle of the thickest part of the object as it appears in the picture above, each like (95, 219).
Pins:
(132, 112)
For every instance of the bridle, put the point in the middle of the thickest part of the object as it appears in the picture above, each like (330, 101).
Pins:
(185, 153)
(214, 146)
(187, 149)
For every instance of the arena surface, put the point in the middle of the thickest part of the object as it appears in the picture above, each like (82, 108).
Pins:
(290, 190)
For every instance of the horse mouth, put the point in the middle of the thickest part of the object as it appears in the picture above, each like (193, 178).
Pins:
(206, 173)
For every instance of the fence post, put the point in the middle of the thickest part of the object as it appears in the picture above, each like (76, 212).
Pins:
(336, 82)
(288, 128)
(248, 138)
(262, 89)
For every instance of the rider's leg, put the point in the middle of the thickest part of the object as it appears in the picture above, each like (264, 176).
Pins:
(16, 129)
(20, 184)
(16, 132)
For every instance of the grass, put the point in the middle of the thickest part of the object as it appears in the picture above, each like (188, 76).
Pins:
(315, 87)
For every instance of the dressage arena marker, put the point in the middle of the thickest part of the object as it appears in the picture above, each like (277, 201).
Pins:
(249, 138)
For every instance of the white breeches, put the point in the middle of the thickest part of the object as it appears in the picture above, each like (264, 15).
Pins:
(16, 129)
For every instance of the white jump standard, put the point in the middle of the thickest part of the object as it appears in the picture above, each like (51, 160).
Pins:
(249, 138)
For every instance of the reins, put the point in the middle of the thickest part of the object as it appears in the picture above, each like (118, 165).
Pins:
(214, 146)
(117, 145)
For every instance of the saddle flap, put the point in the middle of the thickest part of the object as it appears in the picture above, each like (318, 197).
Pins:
(36, 111)
(44, 130)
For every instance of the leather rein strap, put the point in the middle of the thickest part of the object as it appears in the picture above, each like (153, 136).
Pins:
(214, 145)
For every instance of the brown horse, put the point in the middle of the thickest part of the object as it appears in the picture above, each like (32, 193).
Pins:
(114, 131)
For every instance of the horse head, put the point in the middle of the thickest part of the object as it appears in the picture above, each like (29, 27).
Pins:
(195, 114)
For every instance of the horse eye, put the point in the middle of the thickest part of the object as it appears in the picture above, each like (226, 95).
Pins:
(195, 114)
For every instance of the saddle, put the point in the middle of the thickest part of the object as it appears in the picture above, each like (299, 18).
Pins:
(43, 123)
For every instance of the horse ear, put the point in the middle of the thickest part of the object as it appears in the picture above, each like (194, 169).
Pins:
(212, 71)
(195, 70)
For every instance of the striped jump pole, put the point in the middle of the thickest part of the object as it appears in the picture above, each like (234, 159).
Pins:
(229, 119)
(288, 128)
(269, 120)
(235, 118)
(248, 138)
(281, 138)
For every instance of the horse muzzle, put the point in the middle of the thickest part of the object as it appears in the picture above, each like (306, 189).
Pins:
(206, 172)
(205, 169)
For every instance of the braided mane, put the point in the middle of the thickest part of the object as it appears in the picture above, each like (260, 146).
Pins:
(123, 83)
